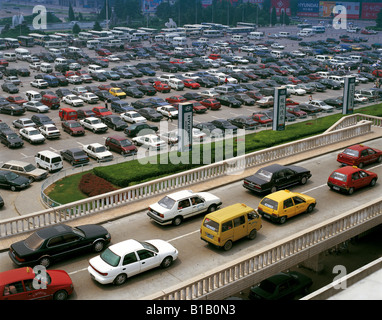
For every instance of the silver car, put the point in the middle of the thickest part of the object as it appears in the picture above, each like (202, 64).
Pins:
(36, 106)
(25, 169)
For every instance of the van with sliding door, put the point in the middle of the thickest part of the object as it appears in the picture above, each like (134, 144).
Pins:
(223, 227)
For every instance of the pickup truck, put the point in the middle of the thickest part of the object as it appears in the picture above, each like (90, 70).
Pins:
(98, 152)
(94, 124)
(50, 131)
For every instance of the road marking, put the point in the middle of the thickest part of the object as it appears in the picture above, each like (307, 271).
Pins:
(185, 235)
(80, 270)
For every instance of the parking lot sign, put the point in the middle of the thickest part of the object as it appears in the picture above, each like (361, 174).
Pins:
(185, 121)
(279, 109)
(349, 91)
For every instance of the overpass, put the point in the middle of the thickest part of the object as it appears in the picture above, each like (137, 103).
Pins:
(218, 284)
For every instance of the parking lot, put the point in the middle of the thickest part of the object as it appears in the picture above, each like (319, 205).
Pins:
(28, 151)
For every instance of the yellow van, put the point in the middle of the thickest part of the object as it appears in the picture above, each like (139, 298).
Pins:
(222, 227)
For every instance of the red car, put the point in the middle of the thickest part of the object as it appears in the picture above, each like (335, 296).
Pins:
(214, 56)
(176, 99)
(314, 76)
(198, 107)
(348, 179)
(254, 95)
(4, 63)
(279, 70)
(162, 87)
(103, 52)
(377, 73)
(212, 104)
(359, 155)
(73, 127)
(69, 73)
(294, 80)
(176, 61)
(16, 100)
(290, 102)
(295, 110)
(25, 284)
(261, 118)
(101, 112)
(81, 72)
(189, 83)
(105, 87)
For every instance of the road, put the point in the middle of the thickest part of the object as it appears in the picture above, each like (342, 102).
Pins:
(195, 256)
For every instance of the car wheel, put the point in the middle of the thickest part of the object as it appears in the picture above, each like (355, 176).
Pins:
(45, 262)
(211, 208)
(177, 220)
(60, 295)
(310, 208)
(351, 191)
(166, 262)
(13, 188)
(360, 165)
(228, 245)
(273, 189)
(304, 179)
(373, 182)
(120, 279)
(252, 235)
(283, 219)
(98, 246)
(379, 159)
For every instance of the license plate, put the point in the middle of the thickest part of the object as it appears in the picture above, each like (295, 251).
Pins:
(336, 188)
(266, 215)
(209, 235)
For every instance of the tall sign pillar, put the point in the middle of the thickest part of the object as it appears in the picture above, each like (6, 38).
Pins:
(185, 122)
(349, 91)
(279, 109)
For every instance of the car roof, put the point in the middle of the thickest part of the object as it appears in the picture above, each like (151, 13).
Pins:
(347, 169)
(273, 168)
(358, 147)
(181, 194)
(281, 195)
(55, 230)
(123, 247)
(15, 275)
(17, 163)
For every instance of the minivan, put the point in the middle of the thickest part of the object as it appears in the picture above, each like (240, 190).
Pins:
(225, 226)
(67, 114)
(53, 102)
(51, 80)
(32, 95)
(284, 34)
(22, 54)
(60, 61)
(121, 145)
(337, 78)
(176, 84)
(238, 38)
(10, 56)
(256, 35)
(225, 89)
(276, 54)
(46, 67)
(49, 160)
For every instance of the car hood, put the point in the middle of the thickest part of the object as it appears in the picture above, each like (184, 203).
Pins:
(92, 231)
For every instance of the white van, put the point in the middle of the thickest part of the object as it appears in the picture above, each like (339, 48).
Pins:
(10, 56)
(46, 67)
(337, 78)
(356, 58)
(33, 95)
(176, 84)
(238, 38)
(60, 61)
(179, 41)
(56, 52)
(322, 58)
(22, 54)
(49, 160)
(276, 54)
(305, 33)
(74, 50)
(159, 38)
(224, 89)
(179, 50)
(203, 40)
(283, 34)
(256, 35)
(92, 68)
(92, 44)
(115, 43)
(323, 74)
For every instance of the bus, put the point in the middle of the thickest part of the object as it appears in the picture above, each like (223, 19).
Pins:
(39, 38)
(85, 35)
(318, 29)
(212, 33)
(240, 30)
(12, 42)
(99, 34)
(119, 35)
(150, 31)
(54, 37)
(25, 41)
(304, 25)
(65, 36)
(247, 24)
(55, 44)
(125, 30)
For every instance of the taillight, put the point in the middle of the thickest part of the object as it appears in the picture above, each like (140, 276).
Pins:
(101, 273)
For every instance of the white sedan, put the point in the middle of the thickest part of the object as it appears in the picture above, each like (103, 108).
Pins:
(322, 105)
(209, 93)
(293, 89)
(73, 100)
(133, 117)
(39, 83)
(130, 257)
(32, 135)
(149, 141)
(360, 98)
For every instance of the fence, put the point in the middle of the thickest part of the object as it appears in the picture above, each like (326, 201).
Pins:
(255, 267)
(74, 210)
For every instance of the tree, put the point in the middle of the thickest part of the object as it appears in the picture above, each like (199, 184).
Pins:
(76, 29)
(273, 16)
(71, 14)
(378, 21)
(97, 26)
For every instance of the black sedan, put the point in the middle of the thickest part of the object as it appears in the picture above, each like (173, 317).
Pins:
(12, 109)
(274, 177)
(245, 99)
(228, 100)
(138, 129)
(104, 95)
(309, 109)
(114, 121)
(9, 87)
(282, 286)
(244, 122)
(334, 102)
(225, 126)
(150, 114)
(13, 181)
(330, 84)
(209, 129)
(134, 92)
(193, 96)
(147, 90)
(98, 76)
(75, 156)
(56, 242)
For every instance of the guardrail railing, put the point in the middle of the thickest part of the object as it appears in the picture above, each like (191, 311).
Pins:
(74, 210)
(255, 267)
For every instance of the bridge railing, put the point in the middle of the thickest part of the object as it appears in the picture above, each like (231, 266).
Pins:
(255, 267)
(124, 196)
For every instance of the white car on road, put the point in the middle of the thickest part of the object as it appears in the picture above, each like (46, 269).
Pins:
(133, 117)
(98, 152)
(130, 257)
(180, 205)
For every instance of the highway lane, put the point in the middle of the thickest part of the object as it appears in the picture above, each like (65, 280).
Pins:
(195, 256)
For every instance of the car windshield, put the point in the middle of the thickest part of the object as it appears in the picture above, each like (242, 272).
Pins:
(210, 224)
(79, 154)
(125, 143)
(34, 241)
(166, 202)
(339, 176)
(13, 136)
(272, 204)
(75, 125)
(110, 257)
(351, 152)
(149, 246)
(33, 132)
(100, 149)
(30, 167)
(267, 286)
(265, 175)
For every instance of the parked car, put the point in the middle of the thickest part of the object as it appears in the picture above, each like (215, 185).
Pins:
(41, 119)
(22, 123)
(350, 178)
(94, 124)
(39, 83)
(275, 177)
(32, 135)
(83, 238)
(175, 207)
(73, 127)
(140, 129)
(98, 152)
(229, 100)
(150, 114)
(225, 126)
(114, 121)
(133, 117)
(12, 109)
(13, 181)
(130, 255)
(149, 141)
(36, 106)
(244, 122)
(121, 145)
(10, 139)
(50, 131)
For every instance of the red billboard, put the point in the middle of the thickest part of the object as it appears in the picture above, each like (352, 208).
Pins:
(370, 10)
(280, 6)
